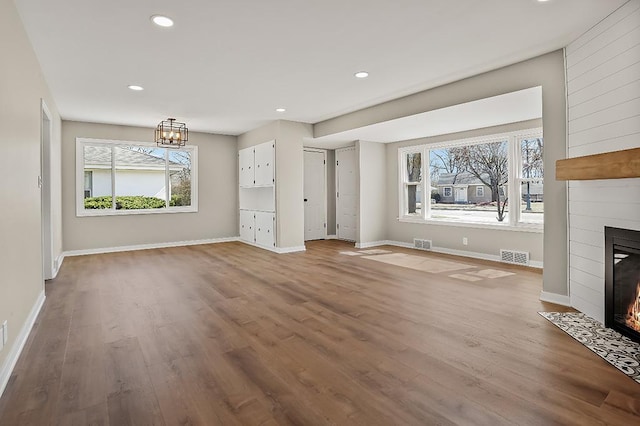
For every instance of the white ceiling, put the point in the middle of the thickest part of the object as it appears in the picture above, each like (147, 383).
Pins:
(227, 64)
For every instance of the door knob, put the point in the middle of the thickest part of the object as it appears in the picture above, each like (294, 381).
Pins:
(305, 200)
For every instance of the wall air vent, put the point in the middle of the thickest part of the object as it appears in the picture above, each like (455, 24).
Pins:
(515, 257)
(421, 244)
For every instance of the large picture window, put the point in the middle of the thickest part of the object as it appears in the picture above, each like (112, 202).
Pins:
(118, 177)
(495, 180)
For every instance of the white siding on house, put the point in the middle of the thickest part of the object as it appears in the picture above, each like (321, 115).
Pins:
(100, 183)
(603, 86)
(150, 183)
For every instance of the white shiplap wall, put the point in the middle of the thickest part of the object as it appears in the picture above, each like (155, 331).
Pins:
(603, 89)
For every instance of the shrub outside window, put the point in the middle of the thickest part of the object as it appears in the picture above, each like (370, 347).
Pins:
(477, 181)
(119, 177)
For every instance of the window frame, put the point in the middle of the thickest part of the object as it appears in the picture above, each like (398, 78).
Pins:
(513, 220)
(111, 143)
(404, 179)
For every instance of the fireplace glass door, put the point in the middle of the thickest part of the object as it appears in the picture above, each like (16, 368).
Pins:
(622, 282)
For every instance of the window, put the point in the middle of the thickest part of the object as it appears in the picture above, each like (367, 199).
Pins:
(531, 178)
(412, 179)
(117, 177)
(506, 170)
(88, 184)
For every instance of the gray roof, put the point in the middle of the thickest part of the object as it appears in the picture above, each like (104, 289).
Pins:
(125, 157)
(463, 178)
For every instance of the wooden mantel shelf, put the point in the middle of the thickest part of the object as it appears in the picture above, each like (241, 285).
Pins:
(610, 165)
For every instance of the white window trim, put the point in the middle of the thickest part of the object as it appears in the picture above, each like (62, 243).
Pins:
(513, 221)
(82, 212)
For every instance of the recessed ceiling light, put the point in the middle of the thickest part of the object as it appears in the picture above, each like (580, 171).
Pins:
(280, 110)
(135, 87)
(162, 21)
(361, 74)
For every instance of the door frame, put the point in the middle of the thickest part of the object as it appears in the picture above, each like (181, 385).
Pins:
(324, 198)
(337, 180)
(44, 182)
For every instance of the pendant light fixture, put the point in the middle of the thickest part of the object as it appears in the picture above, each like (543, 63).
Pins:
(171, 134)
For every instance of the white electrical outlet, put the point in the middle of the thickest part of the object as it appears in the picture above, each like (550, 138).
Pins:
(465, 241)
(5, 332)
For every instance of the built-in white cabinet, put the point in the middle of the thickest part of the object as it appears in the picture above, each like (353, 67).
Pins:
(247, 225)
(256, 166)
(258, 227)
(265, 227)
(245, 166)
(256, 179)
(263, 160)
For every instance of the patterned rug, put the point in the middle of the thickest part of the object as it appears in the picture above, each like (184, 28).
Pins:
(618, 350)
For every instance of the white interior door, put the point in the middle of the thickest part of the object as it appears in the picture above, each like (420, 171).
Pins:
(346, 194)
(314, 195)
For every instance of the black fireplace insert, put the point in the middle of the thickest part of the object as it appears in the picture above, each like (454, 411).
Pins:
(622, 281)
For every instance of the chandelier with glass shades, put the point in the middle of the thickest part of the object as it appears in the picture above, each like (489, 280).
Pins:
(171, 134)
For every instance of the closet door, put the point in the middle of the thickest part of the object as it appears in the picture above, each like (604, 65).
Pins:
(346, 193)
(265, 229)
(246, 175)
(247, 226)
(264, 159)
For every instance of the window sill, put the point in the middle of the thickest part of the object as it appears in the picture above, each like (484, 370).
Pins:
(105, 212)
(528, 227)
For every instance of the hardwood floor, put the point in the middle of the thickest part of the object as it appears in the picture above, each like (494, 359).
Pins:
(229, 334)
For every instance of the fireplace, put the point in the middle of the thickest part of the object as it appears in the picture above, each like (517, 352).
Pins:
(622, 281)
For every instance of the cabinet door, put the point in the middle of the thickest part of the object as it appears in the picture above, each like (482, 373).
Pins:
(247, 226)
(265, 229)
(246, 167)
(264, 159)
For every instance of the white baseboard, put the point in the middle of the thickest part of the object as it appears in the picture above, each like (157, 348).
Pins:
(279, 250)
(58, 264)
(149, 246)
(331, 237)
(285, 250)
(21, 338)
(558, 299)
(444, 250)
(371, 244)
(398, 244)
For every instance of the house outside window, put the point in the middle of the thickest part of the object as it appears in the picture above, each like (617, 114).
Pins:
(478, 181)
(119, 177)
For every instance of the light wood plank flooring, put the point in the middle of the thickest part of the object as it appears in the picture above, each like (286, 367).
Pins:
(229, 334)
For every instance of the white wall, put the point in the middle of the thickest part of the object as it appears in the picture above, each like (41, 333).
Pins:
(372, 192)
(603, 85)
(217, 215)
(22, 87)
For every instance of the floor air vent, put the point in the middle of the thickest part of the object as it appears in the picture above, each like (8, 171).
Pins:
(422, 244)
(515, 257)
